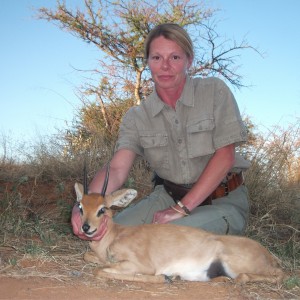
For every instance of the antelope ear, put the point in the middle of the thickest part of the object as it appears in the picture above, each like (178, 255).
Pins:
(120, 198)
(79, 191)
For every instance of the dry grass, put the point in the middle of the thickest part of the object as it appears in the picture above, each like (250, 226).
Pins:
(273, 181)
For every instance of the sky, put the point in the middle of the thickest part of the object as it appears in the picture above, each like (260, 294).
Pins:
(39, 62)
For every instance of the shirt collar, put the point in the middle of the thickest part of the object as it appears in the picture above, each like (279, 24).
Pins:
(156, 103)
(186, 98)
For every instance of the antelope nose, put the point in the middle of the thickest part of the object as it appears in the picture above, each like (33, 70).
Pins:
(86, 227)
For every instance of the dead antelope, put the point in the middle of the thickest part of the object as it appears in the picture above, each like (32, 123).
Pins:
(139, 252)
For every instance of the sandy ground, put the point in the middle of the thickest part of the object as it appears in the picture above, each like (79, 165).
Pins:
(46, 288)
(59, 278)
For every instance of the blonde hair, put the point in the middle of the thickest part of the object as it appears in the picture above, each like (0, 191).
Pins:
(172, 32)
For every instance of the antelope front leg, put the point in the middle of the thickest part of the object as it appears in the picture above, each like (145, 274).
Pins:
(99, 273)
(123, 267)
(91, 257)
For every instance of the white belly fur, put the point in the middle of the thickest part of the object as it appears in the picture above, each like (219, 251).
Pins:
(187, 269)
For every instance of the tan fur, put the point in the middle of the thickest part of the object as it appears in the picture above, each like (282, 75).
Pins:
(147, 252)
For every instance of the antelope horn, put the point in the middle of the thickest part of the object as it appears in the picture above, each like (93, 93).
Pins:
(85, 185)
(105, 181)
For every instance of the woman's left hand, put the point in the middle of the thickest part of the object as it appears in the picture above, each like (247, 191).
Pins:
(166, 216)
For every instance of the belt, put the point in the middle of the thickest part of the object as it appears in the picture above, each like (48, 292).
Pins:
(178, 191)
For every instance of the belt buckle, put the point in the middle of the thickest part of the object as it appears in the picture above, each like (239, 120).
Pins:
(225, 186)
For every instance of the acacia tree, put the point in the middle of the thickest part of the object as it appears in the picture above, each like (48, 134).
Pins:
(119, 28)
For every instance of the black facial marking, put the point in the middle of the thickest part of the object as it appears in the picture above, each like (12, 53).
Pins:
(216, 269)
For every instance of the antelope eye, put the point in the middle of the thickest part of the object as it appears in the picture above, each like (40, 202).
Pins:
(101, 211)
(80, 208)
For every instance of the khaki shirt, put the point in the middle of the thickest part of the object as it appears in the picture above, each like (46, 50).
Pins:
(179, 143)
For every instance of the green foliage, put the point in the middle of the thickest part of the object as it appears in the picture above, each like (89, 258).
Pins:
(92, 123)
(33, 248)
(9, 220)
(130, 183)
(13, 261)
(292, 282)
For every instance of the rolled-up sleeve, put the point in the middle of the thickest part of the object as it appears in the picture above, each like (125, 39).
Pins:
(128, 134)
(229, 127)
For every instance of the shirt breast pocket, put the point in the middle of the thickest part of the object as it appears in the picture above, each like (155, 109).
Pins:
(200, 138)
(155, 147)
